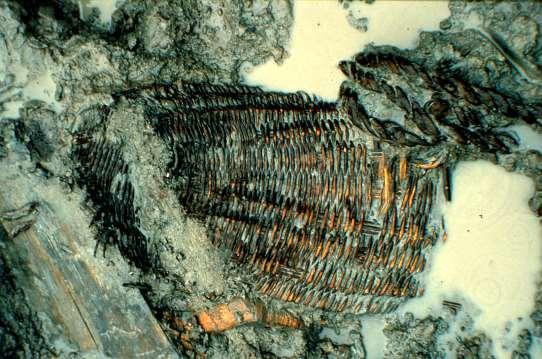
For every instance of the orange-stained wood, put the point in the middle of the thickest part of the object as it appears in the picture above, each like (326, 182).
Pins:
(240, 311)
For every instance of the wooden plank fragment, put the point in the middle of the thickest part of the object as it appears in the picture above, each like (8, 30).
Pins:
(81, 296)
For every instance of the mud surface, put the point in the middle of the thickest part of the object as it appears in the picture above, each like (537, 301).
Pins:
(61, 75)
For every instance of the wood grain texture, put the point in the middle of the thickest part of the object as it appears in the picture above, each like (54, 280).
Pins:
(85, 304)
